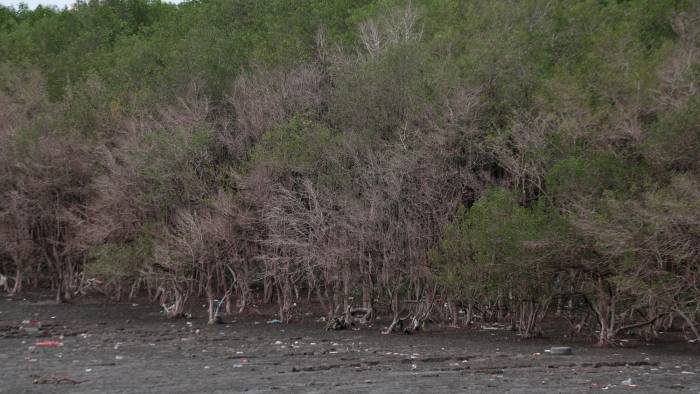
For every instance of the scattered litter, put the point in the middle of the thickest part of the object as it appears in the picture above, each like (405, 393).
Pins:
(49, 343)
(687, 373)
(206, 367)
(278, 342)
(274, 322)
(118, 357)
(88, 369)
(237, 365)
(628, 382)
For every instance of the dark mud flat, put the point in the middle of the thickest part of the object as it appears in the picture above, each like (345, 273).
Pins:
(132, 349)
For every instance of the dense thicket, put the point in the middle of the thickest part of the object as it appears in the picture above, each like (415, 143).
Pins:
(438, 159)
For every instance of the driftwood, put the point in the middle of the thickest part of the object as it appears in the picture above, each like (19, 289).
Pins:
(56, 379)
(351, 317)
(415, 319)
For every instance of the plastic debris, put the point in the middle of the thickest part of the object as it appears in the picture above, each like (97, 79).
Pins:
(30, 326)
(49, 344)
(493, 327)
(628, 382)
(274, 322)
(560, 350)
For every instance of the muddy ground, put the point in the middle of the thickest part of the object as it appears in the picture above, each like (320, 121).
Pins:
(130, 348)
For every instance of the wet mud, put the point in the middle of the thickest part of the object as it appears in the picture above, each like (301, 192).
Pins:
(131, 348)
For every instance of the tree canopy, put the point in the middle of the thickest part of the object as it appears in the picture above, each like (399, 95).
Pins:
(513, 157)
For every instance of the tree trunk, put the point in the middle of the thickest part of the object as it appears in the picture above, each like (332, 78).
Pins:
(690, 323)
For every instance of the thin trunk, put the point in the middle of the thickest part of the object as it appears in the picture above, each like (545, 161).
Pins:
(690, 323)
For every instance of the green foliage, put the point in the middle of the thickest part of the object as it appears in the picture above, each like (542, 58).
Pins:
(588, 178)
(297, 146)
(499, 247)
(570, 129)
(674, 141)
(120, 261)
(175, 165)
(381, 96)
